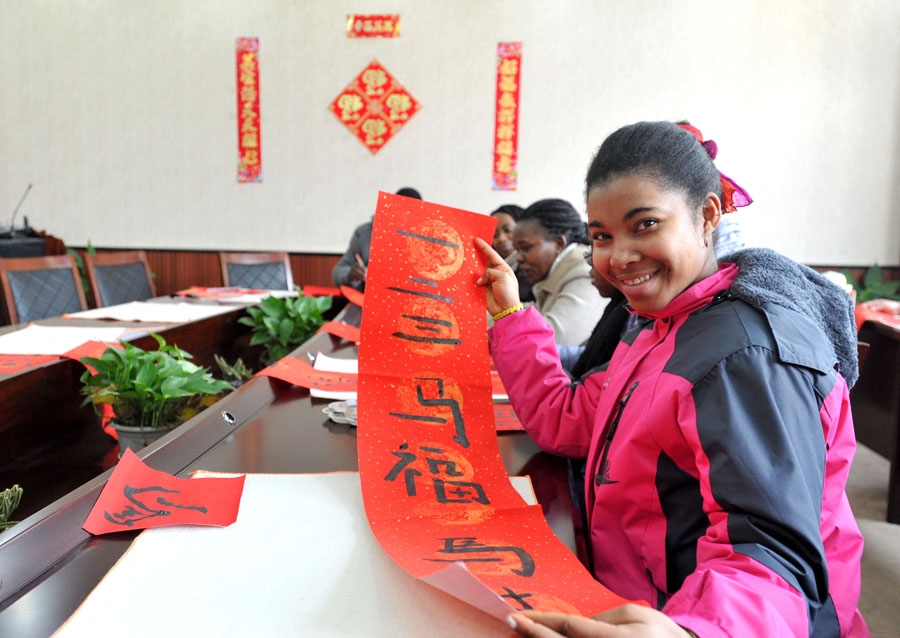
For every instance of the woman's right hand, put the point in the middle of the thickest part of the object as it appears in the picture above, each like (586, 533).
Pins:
(500, 280)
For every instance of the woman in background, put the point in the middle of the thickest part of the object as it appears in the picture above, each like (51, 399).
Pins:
(507, 216)
(550, 240)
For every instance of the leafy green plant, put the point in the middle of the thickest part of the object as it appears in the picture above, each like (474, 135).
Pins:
(235, 373)
(873, 285)
(9, 501)
(149, 388)
(280, 325)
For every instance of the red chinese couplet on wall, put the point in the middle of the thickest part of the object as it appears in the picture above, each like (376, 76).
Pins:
(506, 124)
(373, 26)
(249, 140)
(436, 492)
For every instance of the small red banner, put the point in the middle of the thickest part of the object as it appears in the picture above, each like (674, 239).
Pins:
(342, 330)
(505, 420)
(300, 373)
(373, 26)
(353, 295)
(506, 123)
(321, 291)
(13, 363)
(220, 292)
(139, 497)
(374, 106)
(249, 124)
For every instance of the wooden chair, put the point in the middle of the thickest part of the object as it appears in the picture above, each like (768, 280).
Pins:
(875, 401)
(269, 271)
(39, 287)
(119, 277)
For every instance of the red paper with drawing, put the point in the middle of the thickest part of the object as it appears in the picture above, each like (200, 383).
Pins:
(300, 373)
(434, 487)
(139, 497)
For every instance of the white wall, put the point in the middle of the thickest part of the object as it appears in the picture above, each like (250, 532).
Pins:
(122, 113)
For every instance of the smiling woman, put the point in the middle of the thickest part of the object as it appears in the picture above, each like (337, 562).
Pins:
(719, 436)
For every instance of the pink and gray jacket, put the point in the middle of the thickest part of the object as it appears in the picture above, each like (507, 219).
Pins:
(718, 442)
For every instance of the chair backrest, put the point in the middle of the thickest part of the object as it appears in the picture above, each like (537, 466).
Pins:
(39, 287)
(257, 270)
(119, 277)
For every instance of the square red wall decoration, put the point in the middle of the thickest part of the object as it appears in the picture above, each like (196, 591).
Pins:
(374, 106)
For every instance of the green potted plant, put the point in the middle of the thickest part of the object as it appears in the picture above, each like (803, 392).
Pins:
(280, 325)
(151, 391)
(873, 285)
(9, 501)
(235, 374)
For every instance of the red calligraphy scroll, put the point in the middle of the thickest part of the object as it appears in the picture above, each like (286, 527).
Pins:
(436, 493)
(374, 106)
(373, 26)
(249, 124)
(506, 121)
(300, 373)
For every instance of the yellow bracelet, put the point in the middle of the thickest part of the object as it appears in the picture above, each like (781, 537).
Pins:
(509, 311)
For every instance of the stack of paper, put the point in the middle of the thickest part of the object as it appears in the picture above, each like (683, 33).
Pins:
(37, 339)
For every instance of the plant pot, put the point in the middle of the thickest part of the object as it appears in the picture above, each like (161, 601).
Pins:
(137, 437)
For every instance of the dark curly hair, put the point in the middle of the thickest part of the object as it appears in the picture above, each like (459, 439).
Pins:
(512, 210)
(557, 218)
(660, 150)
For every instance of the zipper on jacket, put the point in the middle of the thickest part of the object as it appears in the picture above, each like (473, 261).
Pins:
(600, 477)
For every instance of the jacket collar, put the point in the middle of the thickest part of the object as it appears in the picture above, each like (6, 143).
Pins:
(698, 295)
(561, 270)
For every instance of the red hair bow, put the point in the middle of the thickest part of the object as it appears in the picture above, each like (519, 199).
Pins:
(733, 196)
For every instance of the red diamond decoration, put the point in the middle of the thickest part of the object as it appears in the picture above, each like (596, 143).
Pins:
(374, 106)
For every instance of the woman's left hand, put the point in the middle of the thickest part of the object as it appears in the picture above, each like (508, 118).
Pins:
(622, 622)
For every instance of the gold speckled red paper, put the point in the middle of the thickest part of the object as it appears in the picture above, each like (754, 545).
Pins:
(434, 487)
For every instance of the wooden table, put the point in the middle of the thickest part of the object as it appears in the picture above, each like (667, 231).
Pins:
(50, 443)
(875, 402)
(48, 564)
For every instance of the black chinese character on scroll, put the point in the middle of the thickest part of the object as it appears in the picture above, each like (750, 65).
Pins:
(459, 492)
(428, 324)
(139, 510)
(446, 491)
(519, 598)
(460, 436)
(430, 283)
(469, 545)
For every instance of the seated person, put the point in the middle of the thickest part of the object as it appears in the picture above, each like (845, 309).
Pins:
(551, 239)
(351, 269)
(507, 217)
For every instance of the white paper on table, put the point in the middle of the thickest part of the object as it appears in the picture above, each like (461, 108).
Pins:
(38, 339)
(253, 298)
(300, 560)
(156, 312)
(333, 364)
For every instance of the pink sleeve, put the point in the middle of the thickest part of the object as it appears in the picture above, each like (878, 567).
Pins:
(557, 413)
